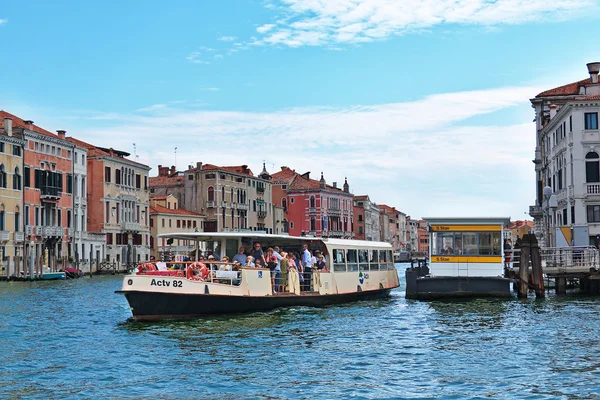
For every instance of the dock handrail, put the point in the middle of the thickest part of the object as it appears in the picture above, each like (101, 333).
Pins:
(561, 259)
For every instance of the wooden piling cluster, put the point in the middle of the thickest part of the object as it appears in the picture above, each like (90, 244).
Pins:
(530, 255)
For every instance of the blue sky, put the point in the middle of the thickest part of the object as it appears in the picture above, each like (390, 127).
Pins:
(423, 105)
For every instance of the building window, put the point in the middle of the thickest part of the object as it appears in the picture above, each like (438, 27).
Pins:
(17, 179)
(593, 213)
(211, 194)
(592, 167)
(169, 222)
(163, 222)
(292, 224)
(360, 217)
(107, 174)
(1, 147)
(179, 223)
(313, 224)
(107, 212)
(291, 200)
(17, 219)
(118, 176)
(16, 150)
(570, 123)
(360, 230)
(2, 176)
(591, 120)
(312, 201)
(284, 204)
(138, 181)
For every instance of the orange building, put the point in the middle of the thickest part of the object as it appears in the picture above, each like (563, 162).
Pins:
(48, 188)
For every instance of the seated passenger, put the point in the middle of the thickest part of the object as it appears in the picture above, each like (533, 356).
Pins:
(249, 262)
(226, 266)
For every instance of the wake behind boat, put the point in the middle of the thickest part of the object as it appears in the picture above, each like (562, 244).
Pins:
(352, 270)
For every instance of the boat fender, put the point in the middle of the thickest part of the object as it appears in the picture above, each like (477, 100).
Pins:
(206, 291)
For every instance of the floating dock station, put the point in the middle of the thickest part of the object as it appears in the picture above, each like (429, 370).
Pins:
(465, 260)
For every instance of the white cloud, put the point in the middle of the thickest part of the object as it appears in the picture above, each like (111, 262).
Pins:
(3, 21)
(418, 156)
(194, 57)
(218, 56)
(228, 38)
(326, 22)
(153, 107)
(265, 28)
(210, 89)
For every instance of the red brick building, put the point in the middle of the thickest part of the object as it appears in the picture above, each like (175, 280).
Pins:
(312, 207)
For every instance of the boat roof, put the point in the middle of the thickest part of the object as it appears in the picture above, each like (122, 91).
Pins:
(272, 238)
(468, 220)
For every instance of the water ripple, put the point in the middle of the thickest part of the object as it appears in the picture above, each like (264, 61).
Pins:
(75, 339)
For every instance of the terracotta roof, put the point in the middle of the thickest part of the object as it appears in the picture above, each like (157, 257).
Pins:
(159, 197)
(285, 175)
(518, 224)
(300, 183)
(98, 151)
(156, 209)
(19, 123)
(238, 169)
(165, 181)
(385, 207)
(594, 97)
(565, 90)
(361, 197)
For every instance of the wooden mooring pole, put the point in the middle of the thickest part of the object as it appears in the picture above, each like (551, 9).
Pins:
(524, 269)
(536, 266)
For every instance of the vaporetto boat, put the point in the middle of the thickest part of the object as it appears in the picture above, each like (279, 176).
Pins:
(355, 270)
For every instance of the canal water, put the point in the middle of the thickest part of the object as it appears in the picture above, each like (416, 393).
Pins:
(74, 339)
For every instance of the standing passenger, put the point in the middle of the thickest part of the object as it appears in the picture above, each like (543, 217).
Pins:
(306, 263)
(283, 278)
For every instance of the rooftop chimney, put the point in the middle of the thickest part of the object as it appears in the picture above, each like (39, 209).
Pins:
(61, 134)
(198, 165)
(283, 168)
(553, 108)
(28, 122)
(173, 170)
(8, 126)
(593, 69)
(335, 185)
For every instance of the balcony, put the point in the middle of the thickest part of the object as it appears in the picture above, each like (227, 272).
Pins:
(592, 189)
(223, 204)
(242, 206)
(131, 226)
(261, 214)
(210, 204)
(538, 157)
(312, 210)
(51, 231)
(38, 230)
(70, 232)
(534, 212)
(50, 193)
(4, 236)
(19, 237)
(29, 230)
(260, 189)
(334, 211)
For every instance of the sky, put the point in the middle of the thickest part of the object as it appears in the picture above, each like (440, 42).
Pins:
(421, 104)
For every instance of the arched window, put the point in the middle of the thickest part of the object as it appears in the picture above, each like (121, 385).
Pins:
(592, 167)
(2, 218)
(232, 195)
(284, 205)
(313, 224)
(17, 179)
(312, 202)
(222, 193)
(285, 225)
(2, 176)
(17, 219)
(211, 194)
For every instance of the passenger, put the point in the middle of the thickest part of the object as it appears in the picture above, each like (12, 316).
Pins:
(258, 263)
(210, 265)
(249, 262)
(271, 264)
(241, 256)
(321, 264)
(307, 264)
(278, 268)
(226, 266)
(293, 275)
(258, 254)
(284, 264)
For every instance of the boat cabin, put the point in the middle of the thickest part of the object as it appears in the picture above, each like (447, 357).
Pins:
(466, 247)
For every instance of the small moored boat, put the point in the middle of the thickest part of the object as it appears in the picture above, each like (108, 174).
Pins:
(355, 270)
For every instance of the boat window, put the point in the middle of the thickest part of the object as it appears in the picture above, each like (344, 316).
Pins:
(339, 260)
(444, 243)
(352, 260)
(374, 260)
(363, 263)
(469, 243)
(489, 243)
(390, 260)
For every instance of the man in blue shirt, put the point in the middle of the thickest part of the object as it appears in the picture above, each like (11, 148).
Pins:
(241, 257)
(306, 261)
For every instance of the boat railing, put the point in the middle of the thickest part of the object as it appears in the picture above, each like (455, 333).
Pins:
(216, 274)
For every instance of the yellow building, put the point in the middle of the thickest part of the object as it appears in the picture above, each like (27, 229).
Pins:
(11, 198)
(167, 217)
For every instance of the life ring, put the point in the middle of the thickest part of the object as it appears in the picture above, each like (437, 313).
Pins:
(189, 271)
(150, 267)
